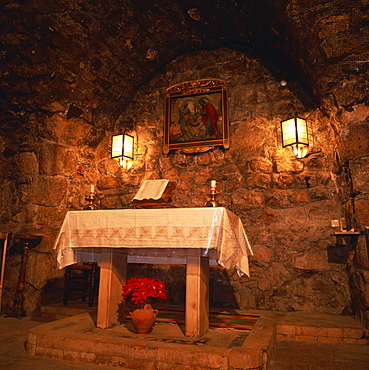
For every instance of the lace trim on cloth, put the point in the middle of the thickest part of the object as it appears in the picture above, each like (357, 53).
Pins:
(191, 228)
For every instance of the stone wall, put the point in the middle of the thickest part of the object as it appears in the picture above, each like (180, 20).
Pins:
(286, 204)
(354, 126)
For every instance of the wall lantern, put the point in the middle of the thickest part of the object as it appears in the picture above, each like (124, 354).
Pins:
(122, 149)
(295, 134)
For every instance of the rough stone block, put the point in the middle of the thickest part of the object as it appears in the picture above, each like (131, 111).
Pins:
(283, 180)
(286, 329)
(31, 338)
(240, 358)
(244, 197)
(30, 349)
(172, 366)
(260, 165)
(78, 356)
(262, 253)
(49, 352)
(331, 332)
(362, 210)
(329, 340)
(215, 359)
(69, 132)
(356, 333)
(126, 362)
(285, 336)
(49, 190)
(28, 163)
(317, 331)
(311, 260)
(305, 338)
(49, 341)
(359, 113)
(288, 164)
(56, 159)
(143, 352)
(259, 180)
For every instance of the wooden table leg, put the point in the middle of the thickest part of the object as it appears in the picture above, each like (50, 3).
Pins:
(113, 272)
(197, 295)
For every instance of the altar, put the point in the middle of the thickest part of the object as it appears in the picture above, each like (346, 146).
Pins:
(195, 237)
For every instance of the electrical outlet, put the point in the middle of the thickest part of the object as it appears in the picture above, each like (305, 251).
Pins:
(335, 223)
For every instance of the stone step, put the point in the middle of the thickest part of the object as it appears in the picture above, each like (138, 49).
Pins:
(76, 338)
(320, 328)
(291, 326)
(60, 311)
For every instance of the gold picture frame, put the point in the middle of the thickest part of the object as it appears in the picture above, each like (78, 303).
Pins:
(196, 116)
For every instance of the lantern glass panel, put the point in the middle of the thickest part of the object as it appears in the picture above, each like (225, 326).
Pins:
(128, 146)
(294, 131)
(117, 146)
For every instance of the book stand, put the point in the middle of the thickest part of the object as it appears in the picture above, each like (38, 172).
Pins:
(162, 202)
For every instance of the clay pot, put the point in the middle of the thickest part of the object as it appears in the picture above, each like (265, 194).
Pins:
(143, 319)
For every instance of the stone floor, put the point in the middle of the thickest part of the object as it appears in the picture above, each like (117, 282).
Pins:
(291, 355)
(13, 337)
(301, 341)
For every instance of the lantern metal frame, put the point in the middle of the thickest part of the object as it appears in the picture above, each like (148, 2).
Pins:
(295, 134)
(122, 149)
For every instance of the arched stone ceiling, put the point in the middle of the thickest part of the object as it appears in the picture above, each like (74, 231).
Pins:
(95, 54)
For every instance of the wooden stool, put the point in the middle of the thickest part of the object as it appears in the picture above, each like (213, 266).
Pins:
(27, 242)
(81, 279)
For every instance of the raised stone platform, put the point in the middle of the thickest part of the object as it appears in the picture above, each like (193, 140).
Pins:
(76, 338)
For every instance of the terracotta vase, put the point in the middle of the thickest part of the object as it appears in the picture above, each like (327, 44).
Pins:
(143, 319)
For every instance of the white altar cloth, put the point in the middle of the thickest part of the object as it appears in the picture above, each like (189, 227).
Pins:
(84, 233)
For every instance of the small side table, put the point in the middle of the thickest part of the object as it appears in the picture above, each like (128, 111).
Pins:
(27, 242)
(346, 241)
(348, 238)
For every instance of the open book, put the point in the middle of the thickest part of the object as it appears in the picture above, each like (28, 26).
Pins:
(151, 189)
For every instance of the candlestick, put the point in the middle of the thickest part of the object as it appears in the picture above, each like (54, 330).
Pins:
(212, 202)
(213, 184)
(91, 199)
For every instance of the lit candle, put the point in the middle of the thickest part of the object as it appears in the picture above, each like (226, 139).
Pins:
(92, 189)
(213, 184)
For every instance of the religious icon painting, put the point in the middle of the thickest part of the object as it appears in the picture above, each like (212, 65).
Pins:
(196, 116)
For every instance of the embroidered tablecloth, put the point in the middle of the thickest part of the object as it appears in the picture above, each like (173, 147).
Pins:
(205, 228)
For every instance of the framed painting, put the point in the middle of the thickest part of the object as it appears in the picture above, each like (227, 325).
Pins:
(196, 116)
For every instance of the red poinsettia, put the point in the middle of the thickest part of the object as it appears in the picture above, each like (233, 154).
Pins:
(141, 289)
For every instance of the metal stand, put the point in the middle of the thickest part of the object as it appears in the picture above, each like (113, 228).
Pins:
(4, 237)
(91, 203)
(212, 202)
(28, 242)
